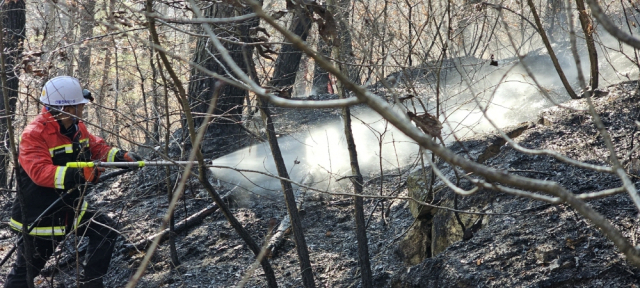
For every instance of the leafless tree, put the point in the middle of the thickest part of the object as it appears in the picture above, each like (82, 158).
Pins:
(200, 67)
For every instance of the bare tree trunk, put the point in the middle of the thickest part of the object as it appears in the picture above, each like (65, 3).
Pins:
(361, 228)
(296, 224)
(284, 75)
(553, 7)
(173, 251)
(587, 27)
(288, 62)
(102, 93)
(50, 36)
(86, 31)
(69, 36)
(155, 131)
(182, 97)
(102, 88)
(13, 21)
(574, 46)
(554, 59)
(410, 39)
(116, 91)
(384, 38)
(320, 76)
(342, 15)
(225, 132)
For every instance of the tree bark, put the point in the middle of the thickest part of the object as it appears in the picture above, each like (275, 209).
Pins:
(320, 76)
(86, 31)
(13, 21)
(587, 27)
(284, 75)
(288, 62)
(553, 6)
(225, 132)
(342, 16)
(361, 230)
(155, 99)
(104, 80)
(574, 46)
(12, 26)
(202, 177)
(554, 59)
(296, 224)
(69, 36)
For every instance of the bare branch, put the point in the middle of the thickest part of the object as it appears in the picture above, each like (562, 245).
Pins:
(203, 20)
(604, 20)
(402, 123)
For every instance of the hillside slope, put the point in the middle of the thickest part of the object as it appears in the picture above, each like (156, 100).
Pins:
(522, 243)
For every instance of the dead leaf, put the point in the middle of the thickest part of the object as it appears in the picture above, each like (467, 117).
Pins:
(279, 14)
(428, 123)
(39, 72)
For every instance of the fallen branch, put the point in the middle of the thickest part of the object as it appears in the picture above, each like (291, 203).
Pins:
(284, 229)
(181, 226)
(277, 239)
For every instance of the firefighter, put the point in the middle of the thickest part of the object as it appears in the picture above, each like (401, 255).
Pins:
(55, 137)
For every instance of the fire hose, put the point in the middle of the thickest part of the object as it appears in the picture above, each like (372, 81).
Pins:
(135, 164)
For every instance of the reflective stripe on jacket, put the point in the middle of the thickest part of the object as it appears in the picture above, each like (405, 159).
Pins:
(52, 230)
(43, 154)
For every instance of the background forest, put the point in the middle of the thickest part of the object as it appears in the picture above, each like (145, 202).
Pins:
(417, 76)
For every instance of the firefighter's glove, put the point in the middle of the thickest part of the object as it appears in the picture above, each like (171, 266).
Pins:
(92, 174)
(132, 157)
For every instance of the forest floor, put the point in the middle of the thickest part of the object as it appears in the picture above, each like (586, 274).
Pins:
(524, 243)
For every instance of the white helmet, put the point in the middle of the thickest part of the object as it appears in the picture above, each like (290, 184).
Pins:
(62, 91)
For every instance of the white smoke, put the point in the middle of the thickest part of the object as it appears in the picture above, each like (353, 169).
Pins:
(319, 157)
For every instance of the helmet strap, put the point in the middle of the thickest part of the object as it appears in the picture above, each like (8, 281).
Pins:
(75, 113)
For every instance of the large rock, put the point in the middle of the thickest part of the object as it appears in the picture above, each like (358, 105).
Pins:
(446, 228)
(479, 149)
(442, 224)
(415, 247)
(528, 243)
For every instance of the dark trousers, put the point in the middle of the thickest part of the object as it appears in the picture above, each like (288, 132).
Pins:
(97, 227)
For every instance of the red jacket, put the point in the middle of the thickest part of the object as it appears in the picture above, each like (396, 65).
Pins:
(44, 152)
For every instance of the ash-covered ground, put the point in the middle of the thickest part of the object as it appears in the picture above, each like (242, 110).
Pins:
(532, 245)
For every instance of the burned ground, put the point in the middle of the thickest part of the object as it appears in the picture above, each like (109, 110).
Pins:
(523, 243)
(541, 245)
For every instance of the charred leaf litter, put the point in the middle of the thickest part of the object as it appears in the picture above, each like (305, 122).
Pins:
(525, 243)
